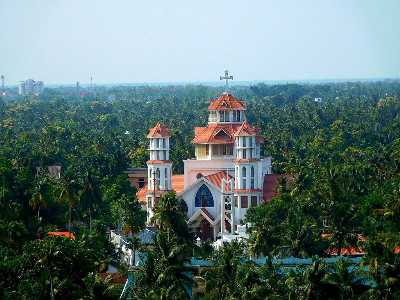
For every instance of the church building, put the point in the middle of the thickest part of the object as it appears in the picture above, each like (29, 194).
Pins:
(227, 176)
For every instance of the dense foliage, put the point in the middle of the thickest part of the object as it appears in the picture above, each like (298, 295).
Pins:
(338, 142)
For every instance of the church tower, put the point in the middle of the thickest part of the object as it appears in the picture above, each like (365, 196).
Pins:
(248, 169)
(159, 167)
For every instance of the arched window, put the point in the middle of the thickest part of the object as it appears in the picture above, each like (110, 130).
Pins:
(252, 177)
(204, 197)
(158, 178)
(243, 178)
(166, 179)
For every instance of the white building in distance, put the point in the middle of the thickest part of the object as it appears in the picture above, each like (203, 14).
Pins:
(30, 87)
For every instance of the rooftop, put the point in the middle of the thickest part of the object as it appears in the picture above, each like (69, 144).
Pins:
(227, 102)
(159, 131)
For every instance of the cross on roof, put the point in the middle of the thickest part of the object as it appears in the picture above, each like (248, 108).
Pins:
(226, 77)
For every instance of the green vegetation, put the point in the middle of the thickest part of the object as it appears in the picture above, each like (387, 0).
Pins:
(341, 152)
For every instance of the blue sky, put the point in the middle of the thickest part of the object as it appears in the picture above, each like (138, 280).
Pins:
(129, 41)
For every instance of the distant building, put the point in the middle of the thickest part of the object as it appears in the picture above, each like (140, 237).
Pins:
(137, 177)
(30, 87)
(3, 91)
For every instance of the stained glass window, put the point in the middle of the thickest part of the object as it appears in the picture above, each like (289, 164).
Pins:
(204, 197)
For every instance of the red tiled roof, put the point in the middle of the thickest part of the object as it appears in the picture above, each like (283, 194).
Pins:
(246, 130)
(159, 131)
(178, 183)
(346, 251)
(216, 179)
(204, 210)
(177, 186)
(271, 182)
(215, 134)
(141, 194)
(66, 234)
(227, 102)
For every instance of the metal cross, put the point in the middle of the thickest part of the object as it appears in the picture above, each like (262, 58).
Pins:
(226, 78)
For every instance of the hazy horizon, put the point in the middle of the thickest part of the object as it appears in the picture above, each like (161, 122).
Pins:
(132, 42)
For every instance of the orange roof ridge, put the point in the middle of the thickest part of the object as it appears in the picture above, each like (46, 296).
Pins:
(246, 129)
(226, 102)
(159, 131)
(209, 134)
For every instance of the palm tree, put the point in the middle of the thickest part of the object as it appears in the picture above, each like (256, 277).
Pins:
(315, 286)
(222, 279)
(169, 215)
(89, 196)
(68, 195)
(41, 194)
(165, 273)
(349, 284)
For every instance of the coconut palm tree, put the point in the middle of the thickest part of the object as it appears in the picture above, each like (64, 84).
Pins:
(68, 195)
(347, 281)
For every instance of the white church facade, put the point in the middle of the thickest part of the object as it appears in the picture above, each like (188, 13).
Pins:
(227, 176)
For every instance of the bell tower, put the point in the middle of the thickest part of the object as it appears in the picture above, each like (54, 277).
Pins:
(248, 169)
(159, 167)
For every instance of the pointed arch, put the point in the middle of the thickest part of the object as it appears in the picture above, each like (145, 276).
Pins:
(204, 197)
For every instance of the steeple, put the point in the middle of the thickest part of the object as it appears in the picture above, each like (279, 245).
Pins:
(159, 167)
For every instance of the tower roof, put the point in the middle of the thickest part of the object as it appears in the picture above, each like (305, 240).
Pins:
(246, 130)
(159, 131)
(215, 134)
(227, 102)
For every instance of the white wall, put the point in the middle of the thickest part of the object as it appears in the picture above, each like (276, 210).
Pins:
(206, 167)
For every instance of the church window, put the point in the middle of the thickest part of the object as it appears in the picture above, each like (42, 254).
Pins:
(204, 197)
(244, 141)
(244, 202)
(207, 149)
(166, 178)
(252, 177)
(243, 178)
(213, 116)
(236, 115)
(244, 153)
(221, 116)
(227, 116)
(253, 201)
(158, 178)
(164, 146)
(236, 201)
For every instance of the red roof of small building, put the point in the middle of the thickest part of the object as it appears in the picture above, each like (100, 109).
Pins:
(66, 234)
(216, 179)
(159, 131)
(227, 102)
(346, 251)
(215, 134)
